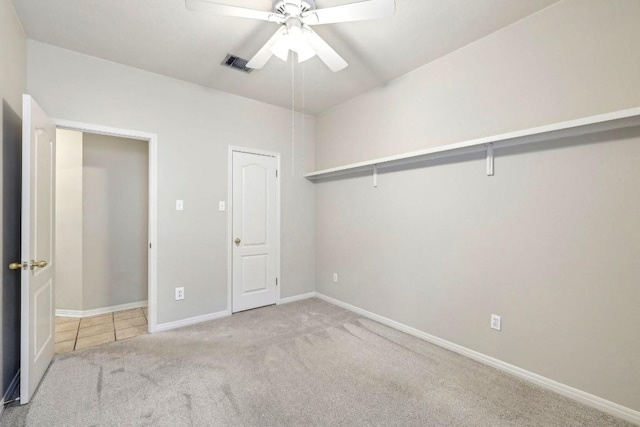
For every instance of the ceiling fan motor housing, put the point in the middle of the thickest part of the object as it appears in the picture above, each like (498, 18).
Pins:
(293, 7)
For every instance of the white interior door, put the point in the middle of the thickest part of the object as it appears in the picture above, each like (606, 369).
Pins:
(255, 230)
(37, 305)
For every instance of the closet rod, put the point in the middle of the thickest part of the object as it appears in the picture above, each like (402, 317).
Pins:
(586, 125)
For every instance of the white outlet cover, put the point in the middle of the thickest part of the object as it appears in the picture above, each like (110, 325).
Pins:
(496, 322)
(179, 205)
(179, 294)
(335, 277)
(221, 205)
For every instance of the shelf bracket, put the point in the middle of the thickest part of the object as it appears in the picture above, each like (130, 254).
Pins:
(375, 175)
(489, 159)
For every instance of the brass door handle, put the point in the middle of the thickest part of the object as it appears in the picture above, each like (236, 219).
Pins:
(15, 266)
(237, 240)
(39, 264)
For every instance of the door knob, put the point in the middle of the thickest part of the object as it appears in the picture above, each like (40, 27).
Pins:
(15, 266)
(237, 240)
(39, 264)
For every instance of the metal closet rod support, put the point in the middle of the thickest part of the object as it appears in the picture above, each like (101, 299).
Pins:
(490, 163)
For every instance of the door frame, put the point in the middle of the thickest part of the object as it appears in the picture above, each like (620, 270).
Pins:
(152, 259)
(232, 149)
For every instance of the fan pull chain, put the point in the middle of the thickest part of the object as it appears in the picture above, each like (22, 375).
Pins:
(293, 115)
(304, 112)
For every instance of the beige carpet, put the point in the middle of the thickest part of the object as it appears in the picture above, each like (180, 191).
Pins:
(301, 364)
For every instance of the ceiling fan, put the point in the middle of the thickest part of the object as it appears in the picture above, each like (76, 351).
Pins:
(296, 17)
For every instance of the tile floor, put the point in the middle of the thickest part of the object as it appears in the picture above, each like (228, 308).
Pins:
(74, 333)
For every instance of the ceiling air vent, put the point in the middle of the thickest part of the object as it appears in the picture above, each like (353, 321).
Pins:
(236, 63)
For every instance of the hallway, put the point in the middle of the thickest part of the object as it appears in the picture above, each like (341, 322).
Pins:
(74, 333)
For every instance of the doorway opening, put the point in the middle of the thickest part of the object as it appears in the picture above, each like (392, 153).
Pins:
(106, 233)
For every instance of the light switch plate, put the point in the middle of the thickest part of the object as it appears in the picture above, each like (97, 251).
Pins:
(179, 205)
(221, 205)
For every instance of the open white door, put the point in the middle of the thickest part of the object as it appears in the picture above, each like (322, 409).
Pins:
(38, 209)
(255, 230)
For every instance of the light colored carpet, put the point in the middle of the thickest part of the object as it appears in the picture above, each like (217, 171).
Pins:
(302, 364)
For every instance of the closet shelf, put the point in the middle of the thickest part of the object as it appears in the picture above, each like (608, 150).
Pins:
(586, 125)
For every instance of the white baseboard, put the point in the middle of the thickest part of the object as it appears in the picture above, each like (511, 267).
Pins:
(98, 311)
(295, 298)
(563, 389)
(10, 390)
(206, 317)
(190, 321)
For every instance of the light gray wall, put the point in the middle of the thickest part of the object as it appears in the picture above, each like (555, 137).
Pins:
(12, 86)
(195, 126)
(115, 197)
(68, 275)
(551, 242)
(573, 59)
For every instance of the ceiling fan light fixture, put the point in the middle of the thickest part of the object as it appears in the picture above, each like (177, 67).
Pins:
(306, 54)
(299, 44)
(281, 48)
(295, 40)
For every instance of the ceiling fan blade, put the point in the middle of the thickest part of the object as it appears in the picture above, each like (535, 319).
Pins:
(264, 54)
(325, 52)
(239, 12)
(360, 11)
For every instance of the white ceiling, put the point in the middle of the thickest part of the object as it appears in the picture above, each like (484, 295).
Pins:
(165, 38)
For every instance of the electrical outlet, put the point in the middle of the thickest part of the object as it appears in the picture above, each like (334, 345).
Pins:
(179, 205)
(179, 294)
(496, 322)
(335, 277)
